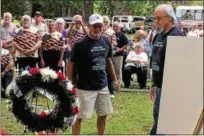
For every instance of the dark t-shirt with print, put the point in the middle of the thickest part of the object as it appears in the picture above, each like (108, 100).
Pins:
(89, 57)
(121, 40)
(158, 55)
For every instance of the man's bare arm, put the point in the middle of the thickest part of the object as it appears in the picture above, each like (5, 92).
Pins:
(70, 31)
(18, 47)
(111, 69)
(37, 45)
(61, 54)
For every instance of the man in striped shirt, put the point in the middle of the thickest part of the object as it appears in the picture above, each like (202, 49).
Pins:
(27, 41)
(51, 53)
(6, 70)
(76, 31)
(108, 31)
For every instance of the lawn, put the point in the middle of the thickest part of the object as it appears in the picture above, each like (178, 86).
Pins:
(132, 115)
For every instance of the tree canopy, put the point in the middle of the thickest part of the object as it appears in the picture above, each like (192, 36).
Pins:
(57, 8)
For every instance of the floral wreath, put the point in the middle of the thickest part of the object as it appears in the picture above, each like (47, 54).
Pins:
(61, 116)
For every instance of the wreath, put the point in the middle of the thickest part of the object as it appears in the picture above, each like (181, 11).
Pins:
(60, 88)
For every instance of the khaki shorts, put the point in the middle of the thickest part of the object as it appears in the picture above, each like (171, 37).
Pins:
(88, 100)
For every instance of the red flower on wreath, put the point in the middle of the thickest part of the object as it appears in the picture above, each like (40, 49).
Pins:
(73, 91)
(3, 132)
(34, 71)
(60, 76)
(43, 114)
(75, 110)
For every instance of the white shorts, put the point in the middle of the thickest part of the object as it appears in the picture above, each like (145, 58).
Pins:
(99, 99)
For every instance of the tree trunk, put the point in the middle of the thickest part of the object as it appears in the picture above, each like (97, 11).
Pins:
(88, 9)
(117, 10)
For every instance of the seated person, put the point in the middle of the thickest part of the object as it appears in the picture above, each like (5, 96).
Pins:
(136, 62)
(6, 70)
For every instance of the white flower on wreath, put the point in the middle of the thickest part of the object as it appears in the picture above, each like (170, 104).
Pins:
(76, 103)
(25, 72)
(69, 121)
(48, 74)
(69, 86)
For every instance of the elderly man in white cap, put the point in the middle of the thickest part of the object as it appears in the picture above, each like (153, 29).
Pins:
(89, 58)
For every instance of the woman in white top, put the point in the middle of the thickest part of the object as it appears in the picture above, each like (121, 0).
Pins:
(136, 62)
(193, 32)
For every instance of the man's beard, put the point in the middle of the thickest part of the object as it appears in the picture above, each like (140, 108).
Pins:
(159, 29)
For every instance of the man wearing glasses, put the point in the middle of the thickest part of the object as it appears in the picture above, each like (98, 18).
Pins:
(89, 58)
(165, 24)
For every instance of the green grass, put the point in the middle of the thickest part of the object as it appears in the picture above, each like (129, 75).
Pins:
(130, 35)
(132, 115)
(16, 22)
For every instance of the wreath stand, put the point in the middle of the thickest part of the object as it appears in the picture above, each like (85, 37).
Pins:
(37, 92)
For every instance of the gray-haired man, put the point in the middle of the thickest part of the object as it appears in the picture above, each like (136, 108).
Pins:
(165, 23)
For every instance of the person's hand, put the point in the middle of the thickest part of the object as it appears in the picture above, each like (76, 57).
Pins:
(27, 52)
(4, 44)
(152, 93)
(42, 63)
(137, 61)
(118, 50)
(66, 46)
(71, 24)
(116, 85)
(3, 74)
(60, 63)
(79, 22)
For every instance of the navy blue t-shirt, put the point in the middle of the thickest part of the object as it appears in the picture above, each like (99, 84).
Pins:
(121, 41)
(158, 55)
(89, 57)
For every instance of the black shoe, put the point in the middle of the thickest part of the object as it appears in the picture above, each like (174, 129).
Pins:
(126, 84)
(3, 95)
(143, 87)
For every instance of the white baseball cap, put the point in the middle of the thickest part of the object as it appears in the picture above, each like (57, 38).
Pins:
(60, 20)
(95, 18)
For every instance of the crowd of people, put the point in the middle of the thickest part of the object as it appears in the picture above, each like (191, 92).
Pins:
(96, 57)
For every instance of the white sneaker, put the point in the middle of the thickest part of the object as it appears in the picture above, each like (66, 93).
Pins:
(112, 96)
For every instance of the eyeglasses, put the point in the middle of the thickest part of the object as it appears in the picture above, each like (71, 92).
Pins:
(159, 18)
(25, 19)
(59, 24)
(97, 26)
